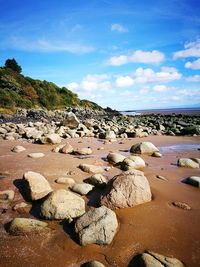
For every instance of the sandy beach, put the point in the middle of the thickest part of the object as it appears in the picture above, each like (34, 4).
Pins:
(156, 226)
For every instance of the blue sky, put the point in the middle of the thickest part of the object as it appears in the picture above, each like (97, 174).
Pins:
(123, 54)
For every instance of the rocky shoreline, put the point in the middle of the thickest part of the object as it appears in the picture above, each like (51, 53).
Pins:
(36, 125)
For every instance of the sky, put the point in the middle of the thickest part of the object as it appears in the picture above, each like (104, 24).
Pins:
(123, 54)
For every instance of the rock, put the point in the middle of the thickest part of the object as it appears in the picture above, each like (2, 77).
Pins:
(33, 133)
(62, 204)
(132, 162)
(6, 196)
(181, 205)
(71, 121)
(144, 148)
(152, 259)
(93, 264)
(36, 155)
(82, 189)
(66, 149)
(110, 135)
(25, 225)
(18, 149)
(65, 180)
(186, 162)
(115, 158)
(193, 180)
(127, 190)
(91, 168)
(97, 226)
(97, 180)
(3, 131)
(161, 177)
(157, 154)
(57, 148)
(196, 160)
(83, 151)
(20, 206)
(36, 185)
(53, 139)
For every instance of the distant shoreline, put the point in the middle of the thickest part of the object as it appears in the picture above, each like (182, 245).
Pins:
(164, 111)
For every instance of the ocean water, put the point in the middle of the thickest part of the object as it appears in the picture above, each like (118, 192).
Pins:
(166, 111)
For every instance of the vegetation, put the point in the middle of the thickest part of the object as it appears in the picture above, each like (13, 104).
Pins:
(17, 91)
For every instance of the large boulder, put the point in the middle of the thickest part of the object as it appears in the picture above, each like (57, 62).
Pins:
(152, 259)
(189, 163)
(97, 226)
(91, 168)
(144, 148)
(127, 189)
(36, 185)
(115, 158)
(62, 204)
(71, 121)
(22, 226)
(132, 162)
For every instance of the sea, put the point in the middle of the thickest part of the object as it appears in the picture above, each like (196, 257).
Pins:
(167, 111)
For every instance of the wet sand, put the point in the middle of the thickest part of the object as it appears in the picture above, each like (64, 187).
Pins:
(157, 226)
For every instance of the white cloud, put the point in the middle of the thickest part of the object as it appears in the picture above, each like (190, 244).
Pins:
(44, 45)
(195, 65)
(194, 78)
(160, 88)
(124, 81)
(192, 49)
(138, 56)
(118, 28)
(148, 75)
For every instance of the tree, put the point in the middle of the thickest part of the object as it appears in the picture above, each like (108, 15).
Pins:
(13, 65)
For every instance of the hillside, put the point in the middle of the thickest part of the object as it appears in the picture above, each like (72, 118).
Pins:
(18, 91)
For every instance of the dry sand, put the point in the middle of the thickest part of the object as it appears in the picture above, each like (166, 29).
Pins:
(157, 226)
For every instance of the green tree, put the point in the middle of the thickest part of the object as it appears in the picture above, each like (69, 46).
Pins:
(13, 65)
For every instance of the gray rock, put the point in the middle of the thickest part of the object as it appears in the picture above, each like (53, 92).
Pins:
(21, 205)
(83, 151)
(36, 155)
(186, 162)
(157, 154)
(22, 226)
(6, 196)
(65, 180)
(91, 168)
(66, 149)
(62, 204)
(97, 180)
(115, 158)
(97, 226)
(82, 189)
(132, 162)
(2, 130)
(53, 139)
(127, 190)
(36, 185)
(152, 259)
(71, 121)
(18, 149)
(144, 148)
(193, 180)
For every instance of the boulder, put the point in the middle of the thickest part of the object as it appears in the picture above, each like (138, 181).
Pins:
(132, 162)
(18, 149)
(97, 226)
(144, 148)
(71, 121)
(82, 189)
(186, 162)
(58, 148)
(91, 168)
(92, 264)
(115, 158)
(83, 151)
(23, 226)
(152, 259)
(53, 139)
(65, 180)
(36, 155)
(36, 185)
(193, 180)
(62, 204)
(127, 189)
(6, 196)
(110, 135)
(66, 149)
(97, 180)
